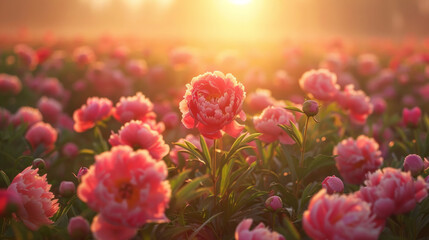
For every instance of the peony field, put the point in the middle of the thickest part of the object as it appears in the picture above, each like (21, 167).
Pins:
(115, 136)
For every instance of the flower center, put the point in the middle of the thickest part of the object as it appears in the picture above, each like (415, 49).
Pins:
(125, 190)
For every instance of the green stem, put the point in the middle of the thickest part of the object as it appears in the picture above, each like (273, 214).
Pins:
(99, 136)
(416, 144)
(301, 161)
(273, 222)
(214, 175)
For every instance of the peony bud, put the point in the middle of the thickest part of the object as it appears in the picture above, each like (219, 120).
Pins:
(413, 163)
(332, 184)
(310, 108)
(274, 203)
(78, 228)
(67, 189)
(39, 163)
(70, 150)
(82, 171)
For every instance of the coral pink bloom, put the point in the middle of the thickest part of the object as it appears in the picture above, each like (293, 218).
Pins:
(357, 157)
(322, 84)
(37, 201)
(4, 117)
(26, 115)
(411, 117)
(141, 135)
(127, 188)
(51, 109)
(368, 64)
(211, 103)
(260, 232)
(391, 191)
(356, 102)
(104, 230)
(267, 124)
(9, 84)
(137, 68)
(259, 100)
(27, 55)
(339, 217)
(42, 133)
(137, 107)
(51, 87)
(174, 153)
(83, 55)
(95, 110)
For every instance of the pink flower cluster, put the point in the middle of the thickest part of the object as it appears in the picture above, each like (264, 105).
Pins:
(128, 189)
(357, 157)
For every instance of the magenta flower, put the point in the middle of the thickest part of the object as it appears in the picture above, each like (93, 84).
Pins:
(339, 217)
(413, 163)
(391, 191)
(37, 201)
(260, 232)
(411, 117)
(357, 157)
(95, 110)
(141, 135)
(211, 103)
(137, 107)
(267, 124)
(321, 84)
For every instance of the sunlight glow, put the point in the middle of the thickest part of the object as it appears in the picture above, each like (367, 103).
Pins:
(240, 2)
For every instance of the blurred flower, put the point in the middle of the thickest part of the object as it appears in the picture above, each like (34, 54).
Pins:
(282, 81)
(51, 110)
(136, 107)
(78, 228)
(26, 115)
(51, 87)
(413, 163)
(357, 157)
(411, 117)
(39, 163)
(5, 117)
(379, 105)
(211, 103)
(391, 191)
(37, 201)
(321, 84)
(10, 202)
(95, 110)
(127, 188)
(182, 56)
(332, 184)
(70, 150)
(259, 100)
(67, 189)
(83, 55)
(104, 230)
(356, 102)
(137, 67)
(170, 120)
(260, 232)
(42, 134)
(139, 135)
(367, 64)
(10, 84)
(274, 203)
(27, 55)
(339, 217)
(267, 124)
(82, 171)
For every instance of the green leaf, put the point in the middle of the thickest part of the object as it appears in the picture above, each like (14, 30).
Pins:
(289, 158)
(293, 132)
(205, 149)
(189, 191)
(295, 109)
(292, 232)
(318, 162)
(194, 234)
(308, 192)
(238, 145)
(5, 177)
(296, 132)
(225, 178)
(178, 180)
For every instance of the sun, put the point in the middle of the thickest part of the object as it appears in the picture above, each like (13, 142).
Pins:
(240, 2)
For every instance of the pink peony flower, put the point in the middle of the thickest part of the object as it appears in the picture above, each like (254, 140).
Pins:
(137, 68)
(26, 115)
(267, 124)
(321, 84)
(260, 232)
(259, 100)
(104, 230)
(332, 184)
(37, 201)
(211, 103)
(274, 203)
(137, 107)
(127, 188)
(413, 163)
(5, 118)
(9, 84)
(140, 135)
(27, 55)
(108, 81)
(51, 109)
(356, 102)
(95, 110)
(174, 153)
(42, 133)
(411, 117)
(78, 228)
(339, 217)
(367, 64)
(391, 191)
(357, 157)
(83, 55)
(51, 87)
